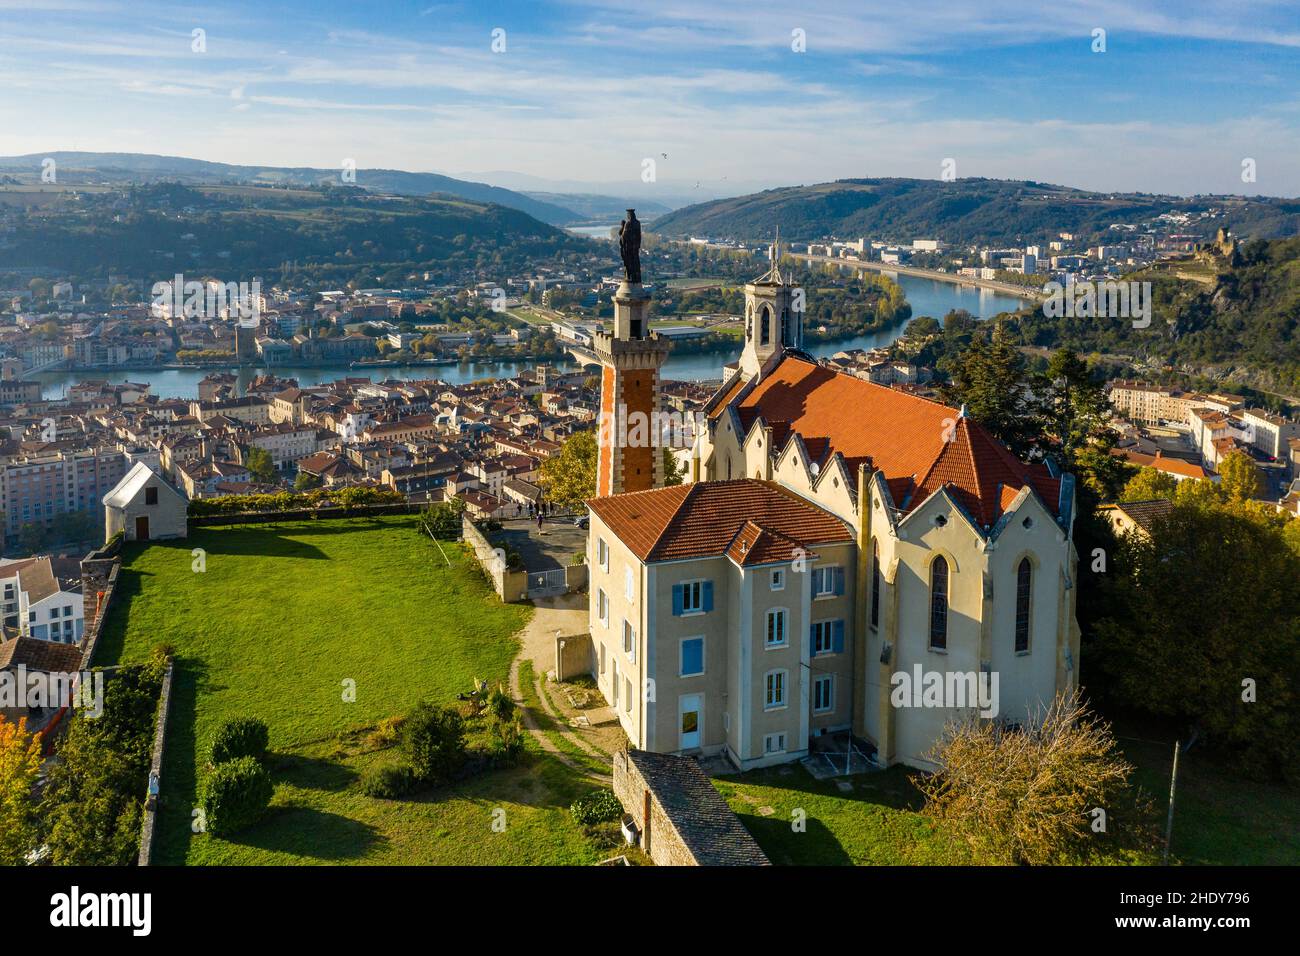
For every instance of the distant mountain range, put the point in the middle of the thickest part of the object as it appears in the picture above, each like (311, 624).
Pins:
(118, 168)
(964, 210)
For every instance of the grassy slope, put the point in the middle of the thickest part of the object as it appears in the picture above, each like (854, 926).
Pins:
(281, 617)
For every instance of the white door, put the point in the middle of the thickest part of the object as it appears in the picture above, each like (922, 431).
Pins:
(690, 709)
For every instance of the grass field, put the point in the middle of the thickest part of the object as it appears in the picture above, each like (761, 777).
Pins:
(1220, 818)
(279, 623)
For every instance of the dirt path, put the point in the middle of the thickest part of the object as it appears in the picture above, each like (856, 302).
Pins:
(562, 615)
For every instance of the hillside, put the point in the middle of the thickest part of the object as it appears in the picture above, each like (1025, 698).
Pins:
(965, 210)
(136, 168)
(1243, 327)
(237, 231)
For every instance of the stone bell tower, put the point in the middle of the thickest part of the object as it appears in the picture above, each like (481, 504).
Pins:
(631, 455)
(771, 322)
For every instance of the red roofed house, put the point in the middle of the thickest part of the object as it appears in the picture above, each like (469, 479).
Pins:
(838, 534)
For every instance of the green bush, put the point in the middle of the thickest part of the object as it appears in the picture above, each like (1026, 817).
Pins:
(433, 740)
(500, 705)
(599, 806)
(239, 737)
(505, 739)
(236, 795)
(442, 520)
(388, 782)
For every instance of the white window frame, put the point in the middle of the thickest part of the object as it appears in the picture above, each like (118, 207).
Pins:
(777, 580)
(698, 585)
(784, 617)
(602, 554)
(602, 607)
(827, 680)
(823, 630)
(681, 651)
(629, 584)
(782, 677)
(827, 574)
(771, 739)
(628, 638)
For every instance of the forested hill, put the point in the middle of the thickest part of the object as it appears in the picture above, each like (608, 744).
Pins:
(334, 235)
(1242, 326)
(964, 210)
(139, 168)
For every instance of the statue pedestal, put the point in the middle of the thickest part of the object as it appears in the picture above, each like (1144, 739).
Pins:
(631, 312)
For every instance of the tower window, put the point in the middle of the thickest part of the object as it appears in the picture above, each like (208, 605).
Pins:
(765, 327)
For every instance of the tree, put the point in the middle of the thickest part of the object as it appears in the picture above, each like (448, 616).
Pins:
(570, 477)
(442, 519)
(1074, 406)
(1026, 795)
(1204, 628)
(1148, 484)
(20, 764)
(306, 481)
(260, 465)
(673, 472)
(990, 380)
(236, 795)
(1239, 477)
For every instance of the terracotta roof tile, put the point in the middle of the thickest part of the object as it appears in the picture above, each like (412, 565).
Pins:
(38, 655)
(919, 445)
(697, 520)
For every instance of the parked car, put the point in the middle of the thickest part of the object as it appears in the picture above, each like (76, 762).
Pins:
(583, 522)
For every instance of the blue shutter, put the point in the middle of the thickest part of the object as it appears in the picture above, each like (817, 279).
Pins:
(837, 636)
(812, 639)
(839, 580)
(692, 656)
(677, 600)
(707, 588)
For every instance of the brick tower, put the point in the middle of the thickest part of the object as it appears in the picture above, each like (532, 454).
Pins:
(631, 456)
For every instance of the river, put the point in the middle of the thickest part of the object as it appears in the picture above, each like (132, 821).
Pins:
(926, 296)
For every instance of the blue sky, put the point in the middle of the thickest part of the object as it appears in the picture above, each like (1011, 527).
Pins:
(586, 90)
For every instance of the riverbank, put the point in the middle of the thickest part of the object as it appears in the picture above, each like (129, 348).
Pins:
(993, 285)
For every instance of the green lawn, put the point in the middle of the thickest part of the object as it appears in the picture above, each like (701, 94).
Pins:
(1220, 818)
(284, 618)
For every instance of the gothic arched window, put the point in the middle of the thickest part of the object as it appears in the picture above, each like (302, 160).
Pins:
(875, 583)
(939, 604)
(1024, 579)
(765, 326)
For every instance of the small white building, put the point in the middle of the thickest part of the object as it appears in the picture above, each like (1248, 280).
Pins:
(144, 507)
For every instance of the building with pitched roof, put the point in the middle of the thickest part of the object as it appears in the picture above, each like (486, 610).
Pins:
(836, 534)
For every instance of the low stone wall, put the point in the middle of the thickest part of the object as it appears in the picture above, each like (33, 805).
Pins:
(98, 585)
(155, 769)
(683, 820)
(510, 585)
(575, 578)
(576, 656)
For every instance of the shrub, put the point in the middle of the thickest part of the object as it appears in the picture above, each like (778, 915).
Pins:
(239, 737)
(442, 520)
(433, 739)
(599, 806)
(499, 704)
(505, 739)
(389, 781)
(236, 795)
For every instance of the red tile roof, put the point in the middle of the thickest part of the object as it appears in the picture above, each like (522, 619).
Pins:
(710, 518)
(38, 655)
(919, 445)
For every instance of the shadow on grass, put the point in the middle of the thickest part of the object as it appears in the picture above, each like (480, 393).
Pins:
(312, 833)
(311, 773)
(816, 845)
